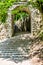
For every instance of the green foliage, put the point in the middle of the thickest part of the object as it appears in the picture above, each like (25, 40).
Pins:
(40, 4)
(41, 36)
(4, 5)
(20, 15)
(37, 3)
(15, 11)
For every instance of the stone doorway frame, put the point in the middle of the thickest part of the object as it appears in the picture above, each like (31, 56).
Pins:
(36, 20)
(10, 18)
(24, 9)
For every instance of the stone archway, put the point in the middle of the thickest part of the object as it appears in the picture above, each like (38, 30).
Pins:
(10, 22)
(35, 15)
(23, 26)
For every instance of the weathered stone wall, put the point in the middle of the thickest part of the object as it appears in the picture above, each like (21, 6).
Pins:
(9, 19)
(36, 20)
(3, 31)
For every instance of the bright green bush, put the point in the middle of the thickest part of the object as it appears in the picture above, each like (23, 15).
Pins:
(4, 5)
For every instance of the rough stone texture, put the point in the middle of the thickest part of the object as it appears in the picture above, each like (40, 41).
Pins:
(21, 49)
(36, 20)
(7, 29)
(9, 19)
(3, 32)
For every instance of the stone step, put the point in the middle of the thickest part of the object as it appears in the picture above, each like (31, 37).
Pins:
(13, 55)
(16, 50)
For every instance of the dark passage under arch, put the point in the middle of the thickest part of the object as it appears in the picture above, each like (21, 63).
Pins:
(22, 25)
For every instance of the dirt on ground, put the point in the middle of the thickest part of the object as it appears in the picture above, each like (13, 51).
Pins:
(36, 52)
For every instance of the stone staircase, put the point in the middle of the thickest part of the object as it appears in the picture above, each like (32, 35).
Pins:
(17, 50)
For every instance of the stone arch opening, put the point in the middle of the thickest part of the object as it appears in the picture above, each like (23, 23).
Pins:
(35, 19)
(23, 24)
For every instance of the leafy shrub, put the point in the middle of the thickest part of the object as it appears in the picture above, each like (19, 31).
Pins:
(4, 5)
(20, 15)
